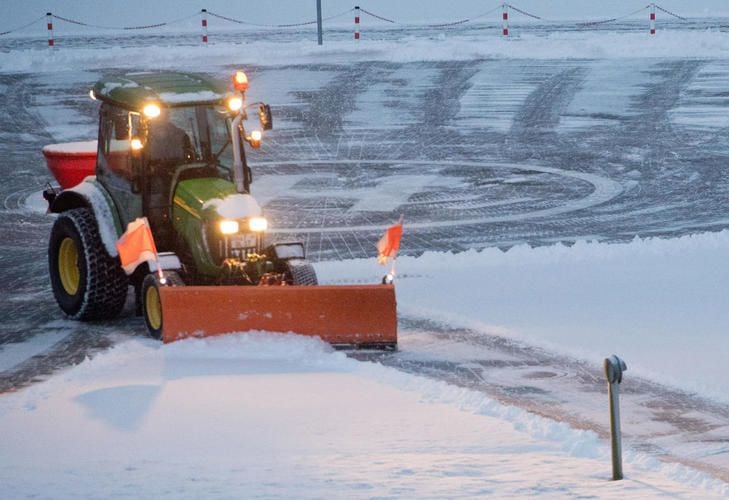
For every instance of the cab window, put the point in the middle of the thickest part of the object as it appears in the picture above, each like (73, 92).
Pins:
(117, 128)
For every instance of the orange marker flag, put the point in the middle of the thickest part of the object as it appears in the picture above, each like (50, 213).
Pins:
(136, 245)
(389, 244)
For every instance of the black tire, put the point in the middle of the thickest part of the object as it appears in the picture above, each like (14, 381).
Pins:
(300, 272)
(87, 282)
(151, 306)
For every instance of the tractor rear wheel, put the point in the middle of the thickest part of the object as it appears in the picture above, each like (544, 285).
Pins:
(151, 303)
(87, 282)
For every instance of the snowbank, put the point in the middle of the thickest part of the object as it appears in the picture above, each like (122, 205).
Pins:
(659, 304)
(283, 416)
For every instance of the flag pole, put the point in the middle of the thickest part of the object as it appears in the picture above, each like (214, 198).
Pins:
(394, 257)
(160, 274)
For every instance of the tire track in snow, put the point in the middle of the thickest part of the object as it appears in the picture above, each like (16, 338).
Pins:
(604, 190)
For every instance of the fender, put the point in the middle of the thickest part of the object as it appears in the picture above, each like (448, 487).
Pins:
(91, 194)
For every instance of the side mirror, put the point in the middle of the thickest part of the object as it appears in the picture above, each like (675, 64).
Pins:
(264, 116)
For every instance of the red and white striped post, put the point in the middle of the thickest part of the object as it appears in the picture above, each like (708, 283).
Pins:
(204, 22)
(49, 17)
(505, 19)
(356, 22)
(653, 19)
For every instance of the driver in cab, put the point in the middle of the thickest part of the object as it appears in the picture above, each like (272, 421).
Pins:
(168, 142)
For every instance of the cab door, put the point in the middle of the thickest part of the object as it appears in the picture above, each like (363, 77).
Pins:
(117, 161)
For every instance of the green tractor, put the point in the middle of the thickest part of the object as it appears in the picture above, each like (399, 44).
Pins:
(171, 150)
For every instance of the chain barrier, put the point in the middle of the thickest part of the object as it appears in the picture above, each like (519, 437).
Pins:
(454, 23)
(464, 21)
(596, 23)
(364, 11)
(377, 17)
(523, 12)
(22, 27)
(606, 21)
(669, 12)
(237, 21)
(144, 27)
(100, 26)
(291, 25)
(329, 18)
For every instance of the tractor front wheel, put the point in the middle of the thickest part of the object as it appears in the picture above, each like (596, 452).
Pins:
(87, 282)
(151, 302)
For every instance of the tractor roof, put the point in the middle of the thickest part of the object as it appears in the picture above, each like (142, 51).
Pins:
(134, 90)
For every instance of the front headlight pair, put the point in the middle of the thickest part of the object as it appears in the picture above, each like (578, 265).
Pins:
(256, 224)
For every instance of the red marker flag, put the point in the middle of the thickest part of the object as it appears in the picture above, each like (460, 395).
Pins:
(389, 244)
(136, 245)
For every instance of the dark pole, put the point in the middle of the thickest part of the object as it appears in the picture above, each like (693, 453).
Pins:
(614, 368)
(318, 22)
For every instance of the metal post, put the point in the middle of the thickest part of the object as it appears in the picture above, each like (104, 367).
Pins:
(51, 42)
(204, 22)
(356, 22)
(505, 19)
(614, 368)
(318, 22)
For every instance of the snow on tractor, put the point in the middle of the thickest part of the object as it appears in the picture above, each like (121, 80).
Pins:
(171, 157)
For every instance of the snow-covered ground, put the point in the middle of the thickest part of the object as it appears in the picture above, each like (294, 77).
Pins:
(283, 416)
(280, 415)
(660, 304)
(259, 415)
(438, 45)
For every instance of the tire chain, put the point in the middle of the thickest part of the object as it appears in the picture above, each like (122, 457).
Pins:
(106, 282)
(302, 273)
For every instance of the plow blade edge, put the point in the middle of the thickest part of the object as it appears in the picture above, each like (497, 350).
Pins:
(358, 315)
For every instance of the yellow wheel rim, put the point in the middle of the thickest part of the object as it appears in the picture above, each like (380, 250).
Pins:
(68, 269)
(153, 308)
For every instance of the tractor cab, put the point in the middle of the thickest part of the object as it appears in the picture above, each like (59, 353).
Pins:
(159, 129)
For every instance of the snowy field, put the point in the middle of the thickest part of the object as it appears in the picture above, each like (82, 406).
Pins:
(556, 190)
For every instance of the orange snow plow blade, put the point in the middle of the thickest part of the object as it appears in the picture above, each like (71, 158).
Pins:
(355, 315)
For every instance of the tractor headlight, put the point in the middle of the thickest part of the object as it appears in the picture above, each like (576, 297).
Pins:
(235, 103)
(229, 226)
(151, 110)
(258, 224)
(255, 139)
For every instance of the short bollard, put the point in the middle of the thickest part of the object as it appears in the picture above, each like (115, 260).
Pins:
(614, 368)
